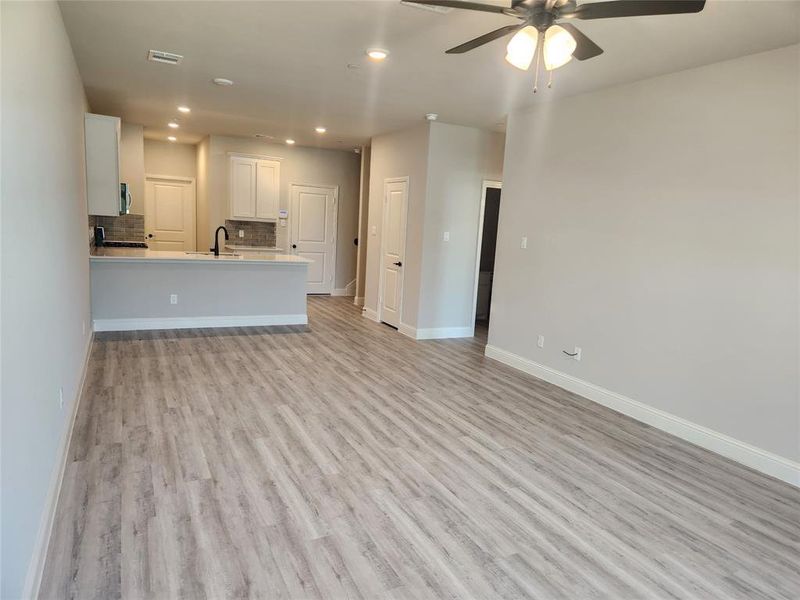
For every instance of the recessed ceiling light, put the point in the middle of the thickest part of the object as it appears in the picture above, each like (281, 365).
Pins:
(173, 125)
(222, 81)
(320, 129)
(377, 54)
(290, 141)
(172, 138)
(184, 109)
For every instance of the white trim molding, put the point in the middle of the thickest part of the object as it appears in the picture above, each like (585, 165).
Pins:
(436, 333)
(746, 454)
(370, 314)
(33, 578)
(348, 290)
(358, 300)
(408, 331)
(198, 322)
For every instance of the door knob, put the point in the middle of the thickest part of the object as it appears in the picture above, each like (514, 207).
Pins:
(398, 263)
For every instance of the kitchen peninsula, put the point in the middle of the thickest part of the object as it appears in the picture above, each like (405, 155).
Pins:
(136, 288)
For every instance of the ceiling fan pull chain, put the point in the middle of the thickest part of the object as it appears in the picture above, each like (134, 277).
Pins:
(536, 77)
(550, 80)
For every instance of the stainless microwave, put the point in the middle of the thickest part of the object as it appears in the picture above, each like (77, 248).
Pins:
(125, 199)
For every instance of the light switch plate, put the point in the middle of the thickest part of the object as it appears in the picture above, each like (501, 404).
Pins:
(446, 236)
(173, 298)
(524, 243)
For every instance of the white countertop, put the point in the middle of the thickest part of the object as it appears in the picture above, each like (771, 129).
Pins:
(145, 255)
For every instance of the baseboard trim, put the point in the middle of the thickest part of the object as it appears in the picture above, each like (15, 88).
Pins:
(358, 300)
(370, 314)
(197, 322)
(746, 454)
(442, 333)
(408, 330)
(33, 578)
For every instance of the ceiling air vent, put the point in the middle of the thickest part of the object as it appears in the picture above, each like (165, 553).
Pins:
(437, 9)
(164, 57)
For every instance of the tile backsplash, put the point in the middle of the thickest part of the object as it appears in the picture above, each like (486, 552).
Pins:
(255, 233)
(124, 227)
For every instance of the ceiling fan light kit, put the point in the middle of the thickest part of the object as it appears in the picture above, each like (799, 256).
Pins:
(562, 41)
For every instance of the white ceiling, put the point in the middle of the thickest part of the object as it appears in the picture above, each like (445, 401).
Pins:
(289, 61)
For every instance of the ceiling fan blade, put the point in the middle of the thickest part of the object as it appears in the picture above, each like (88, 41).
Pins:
(635, 8)
(485, 39)
(586, 48)
(492, 8)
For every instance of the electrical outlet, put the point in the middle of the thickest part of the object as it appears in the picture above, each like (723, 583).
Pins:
(374, 230)
(241, 233)
(524, 243)
(173, 298)
(61, 398)
(540, 341)
(446, 236)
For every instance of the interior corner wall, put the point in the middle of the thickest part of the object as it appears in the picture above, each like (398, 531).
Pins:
(46, 327)
(662, 226)
(299, 165)
(398, 154)
(203, 230)
(459, 160)
(363, 220)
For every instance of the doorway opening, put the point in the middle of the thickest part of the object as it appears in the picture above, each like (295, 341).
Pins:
(487, 245)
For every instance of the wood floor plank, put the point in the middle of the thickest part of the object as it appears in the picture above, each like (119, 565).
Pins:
(341, 460)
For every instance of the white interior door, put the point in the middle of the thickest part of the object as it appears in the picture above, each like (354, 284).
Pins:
(314, 233)
(393, 247)
(169, 213)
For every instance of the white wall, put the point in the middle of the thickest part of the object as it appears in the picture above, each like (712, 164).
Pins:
(446, 165)
(398, 154)
(131, 163)
(300, 165)
(662, 225)
(363, 222)
(459, 160)
(45, 268)
(170, 158)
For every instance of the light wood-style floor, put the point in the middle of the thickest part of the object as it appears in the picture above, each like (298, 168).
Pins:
(347, 461)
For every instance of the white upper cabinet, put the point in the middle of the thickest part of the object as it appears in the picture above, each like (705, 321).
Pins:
(243, 188)
(255, 189)
(102, 165)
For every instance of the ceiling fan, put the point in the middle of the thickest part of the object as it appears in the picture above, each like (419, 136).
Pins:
(562, 40)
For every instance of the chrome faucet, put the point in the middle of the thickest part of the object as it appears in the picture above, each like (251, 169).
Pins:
(215, 249)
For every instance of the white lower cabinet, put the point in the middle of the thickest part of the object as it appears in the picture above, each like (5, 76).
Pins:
(254, 189)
